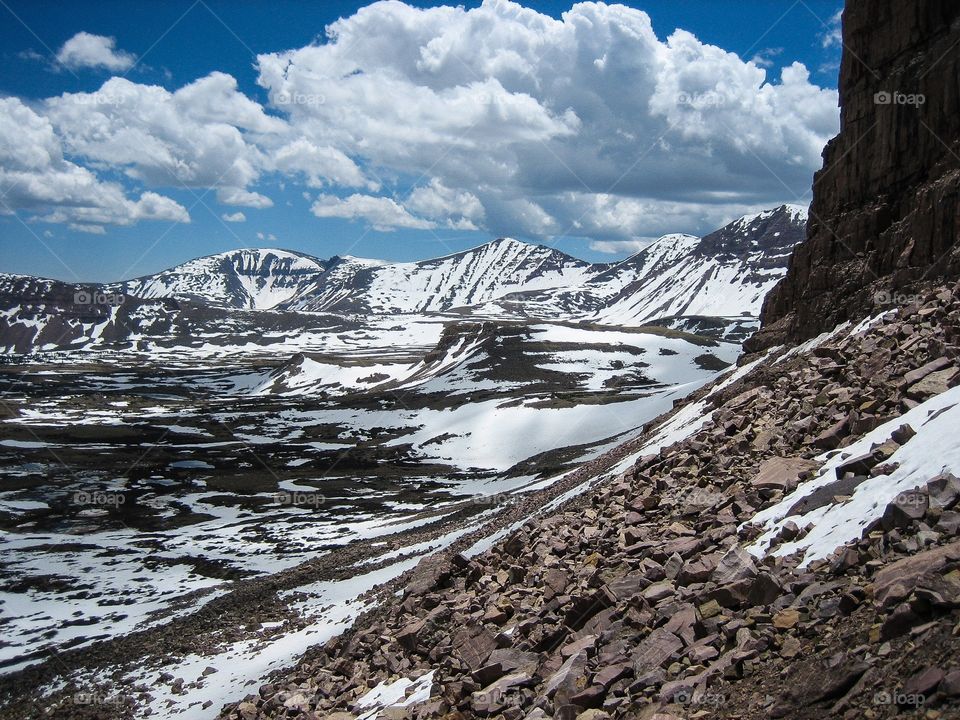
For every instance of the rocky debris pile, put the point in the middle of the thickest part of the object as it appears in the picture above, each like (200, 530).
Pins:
(885, 213)
(641, 599)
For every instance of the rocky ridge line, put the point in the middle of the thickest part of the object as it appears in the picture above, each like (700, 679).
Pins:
(886, 205)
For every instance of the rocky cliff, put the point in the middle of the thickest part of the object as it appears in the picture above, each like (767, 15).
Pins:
(884, 218)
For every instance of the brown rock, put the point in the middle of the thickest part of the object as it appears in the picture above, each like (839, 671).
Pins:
(569, 680)
(474, 644)
(923, 682)
(786, 619)
(780, 473)
(654, 650)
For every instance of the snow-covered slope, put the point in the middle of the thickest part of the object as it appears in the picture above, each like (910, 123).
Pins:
(724, 274)
(716, 283)
(249, 278)
(471, 277)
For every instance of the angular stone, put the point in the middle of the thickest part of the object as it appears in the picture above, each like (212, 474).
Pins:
(504, 661)
(409, 635)
(697, 570)
(654, 650)
(924, 370)
(950, 685)
(933, 384)
(764, 590)
(590, 696)
(610, 674)
(493, 698)
(905, 509)
(624, 588)
(780, 473)
(896, 581)
(737, 564)
(923, 682)
(786, 619)
(569, 680)
(658, 591)
(474, 644)
(430, 573)
(943, 491)
(830, 438)
(732, 594)
(682, 622)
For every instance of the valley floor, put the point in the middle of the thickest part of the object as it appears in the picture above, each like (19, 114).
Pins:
(176, 527)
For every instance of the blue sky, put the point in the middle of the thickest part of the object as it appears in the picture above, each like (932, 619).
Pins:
(382, 163)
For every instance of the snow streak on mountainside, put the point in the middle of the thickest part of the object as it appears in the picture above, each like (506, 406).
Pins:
(724, 274)
(712, 286)
(250, 278)
(466, 278)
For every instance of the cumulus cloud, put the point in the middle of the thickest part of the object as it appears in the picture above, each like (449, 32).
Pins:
(204, 135)
(236, 217)
(383, 214)
(520, 110)
(36, 177)
(621, 247)
(496, 118)
(85, 50)
(459, 209)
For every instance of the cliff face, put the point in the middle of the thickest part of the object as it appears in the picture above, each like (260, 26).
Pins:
(884, 218)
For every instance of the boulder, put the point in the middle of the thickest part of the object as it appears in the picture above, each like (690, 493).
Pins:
(780, 473)
(896, 581)
(654, 650)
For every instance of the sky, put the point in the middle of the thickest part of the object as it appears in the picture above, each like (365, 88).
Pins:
(135, 135)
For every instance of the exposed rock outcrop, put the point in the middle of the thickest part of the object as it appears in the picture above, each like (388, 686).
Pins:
(885, 215)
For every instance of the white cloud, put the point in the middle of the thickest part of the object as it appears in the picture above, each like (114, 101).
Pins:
(321, 165)
(36, 177)
(236, 217)
(205, 135)
(384, 214)
(496, 118)
(519, 110)
(459, 209)
(85, 50)
(620, 247)
(764, 58)
(833, 35)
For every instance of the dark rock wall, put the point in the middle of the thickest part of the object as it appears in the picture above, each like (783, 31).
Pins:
(884, 218)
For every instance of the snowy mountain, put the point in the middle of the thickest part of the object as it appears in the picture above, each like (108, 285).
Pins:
(466, 278)
(724, 274)
(248, 278)
(711, 286)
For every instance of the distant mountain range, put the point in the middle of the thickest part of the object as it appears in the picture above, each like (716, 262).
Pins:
(678, 280)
